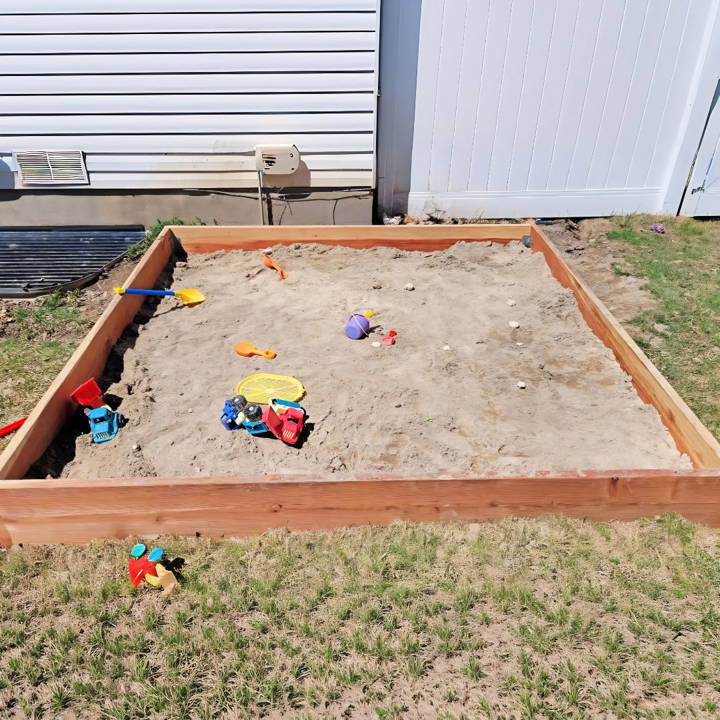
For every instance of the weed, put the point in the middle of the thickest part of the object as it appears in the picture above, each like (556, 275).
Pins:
(51, 316)
(137, 250)
(473, 670)
(620, 270)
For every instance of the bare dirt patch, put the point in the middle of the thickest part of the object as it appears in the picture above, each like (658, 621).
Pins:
(445, 398)
(601, 262)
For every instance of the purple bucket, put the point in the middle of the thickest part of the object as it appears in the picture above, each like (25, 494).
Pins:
(357, 327)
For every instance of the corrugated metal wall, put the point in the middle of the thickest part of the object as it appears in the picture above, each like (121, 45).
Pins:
(176, 94)
(551, 107)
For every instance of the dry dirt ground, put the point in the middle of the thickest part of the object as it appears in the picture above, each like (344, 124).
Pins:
(594, 260)
(445, 398)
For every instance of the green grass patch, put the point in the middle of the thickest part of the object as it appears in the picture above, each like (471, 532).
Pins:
(54, 315)
(550, 618)
(136, 251)
(35, 343)
(681, 334)
(27, 367)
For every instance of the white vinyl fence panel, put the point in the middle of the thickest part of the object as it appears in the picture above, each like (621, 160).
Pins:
(551, 107)
(176, 95)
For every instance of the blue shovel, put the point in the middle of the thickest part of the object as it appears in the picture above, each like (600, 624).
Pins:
(188, 297)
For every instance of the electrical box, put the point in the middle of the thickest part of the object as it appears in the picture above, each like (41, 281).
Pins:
(277, 159)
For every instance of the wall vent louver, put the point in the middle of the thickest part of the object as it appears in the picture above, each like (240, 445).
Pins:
(53, 167)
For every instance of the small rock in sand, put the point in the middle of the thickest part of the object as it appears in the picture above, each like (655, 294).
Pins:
(511, 302)
(446, 347)
(375, 344)
(189, 410)
(136, 447)
(521, 385)
(514, 324)
(377, 286)
(408, 286)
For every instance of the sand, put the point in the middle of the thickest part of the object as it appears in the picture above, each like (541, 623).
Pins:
(444, 398)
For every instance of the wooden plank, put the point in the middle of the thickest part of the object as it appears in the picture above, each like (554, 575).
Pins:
(191, 42)
(187, 22)
(177, 83)
(77, 511)
(67, 7)
(690, 435)
(87, 361)
(186, 62)
(204, 239)
(199, 143)
(189, 104)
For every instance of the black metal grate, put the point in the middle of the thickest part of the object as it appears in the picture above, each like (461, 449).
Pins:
(40, 260)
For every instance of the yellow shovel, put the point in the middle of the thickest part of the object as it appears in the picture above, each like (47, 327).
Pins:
(188, 297)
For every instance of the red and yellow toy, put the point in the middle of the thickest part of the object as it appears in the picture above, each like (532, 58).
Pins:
(285, 420)
(153, 569)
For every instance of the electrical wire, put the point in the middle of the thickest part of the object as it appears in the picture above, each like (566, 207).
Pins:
(260, 196)
(286, 198)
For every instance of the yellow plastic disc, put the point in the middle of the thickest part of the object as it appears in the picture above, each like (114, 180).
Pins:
(260, 388)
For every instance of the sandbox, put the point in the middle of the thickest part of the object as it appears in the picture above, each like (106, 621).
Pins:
(444, 397)
(465, 417)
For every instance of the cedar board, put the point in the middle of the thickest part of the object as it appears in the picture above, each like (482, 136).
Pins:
(75, 511)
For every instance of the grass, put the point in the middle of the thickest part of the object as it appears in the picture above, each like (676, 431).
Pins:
(136, 251)
(547, 618)
(36, 340)
(681, 334)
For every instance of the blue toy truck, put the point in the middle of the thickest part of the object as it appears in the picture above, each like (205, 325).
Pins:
(104, 423)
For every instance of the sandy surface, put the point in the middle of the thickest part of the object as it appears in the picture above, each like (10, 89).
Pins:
(415, 407)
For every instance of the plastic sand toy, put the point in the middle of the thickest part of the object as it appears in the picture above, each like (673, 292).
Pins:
(269, 262)
(104, 423)
(188, 297)
(88, 394)
(263, 387)
(154, 568)
(285, 420)
(247, 349)
(12, 427)
(358, 326)
(232, 416)
(390, 338)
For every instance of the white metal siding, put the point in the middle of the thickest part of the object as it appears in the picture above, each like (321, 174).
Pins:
(552, 107)
(178, 98)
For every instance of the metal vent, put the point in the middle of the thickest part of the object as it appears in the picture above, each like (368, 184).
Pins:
(54, 167)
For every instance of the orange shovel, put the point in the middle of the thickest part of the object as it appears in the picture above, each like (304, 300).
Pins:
(269, 262)
(248, 350)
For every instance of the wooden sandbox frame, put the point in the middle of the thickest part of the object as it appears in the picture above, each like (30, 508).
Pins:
(74, 511)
